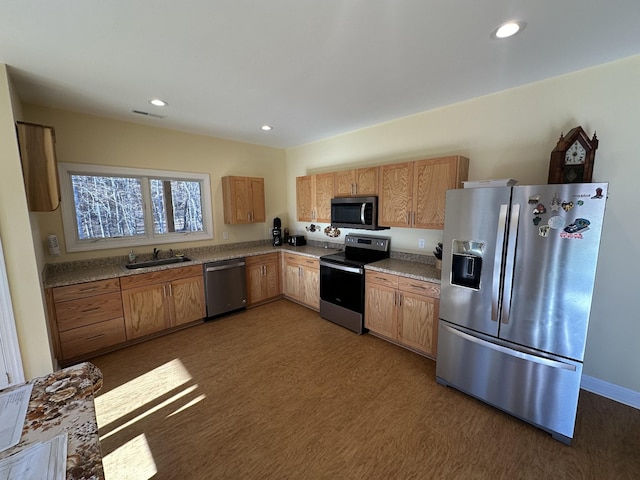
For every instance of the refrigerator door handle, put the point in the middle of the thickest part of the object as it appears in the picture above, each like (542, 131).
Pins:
(510, 351)
(510, 261)
(497, 262)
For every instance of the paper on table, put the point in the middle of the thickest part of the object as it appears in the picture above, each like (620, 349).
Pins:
(13, 410)
(39, 461)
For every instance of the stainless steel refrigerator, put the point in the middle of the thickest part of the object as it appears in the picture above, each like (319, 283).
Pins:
(518, 270)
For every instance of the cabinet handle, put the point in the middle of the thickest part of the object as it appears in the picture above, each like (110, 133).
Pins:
(87, 289)
(421, 287)
(164, 290)
(395, 299)
(400, 299)
(87, 310)
(413, 218)
(95, 337)
(170, 290)
(408, 218)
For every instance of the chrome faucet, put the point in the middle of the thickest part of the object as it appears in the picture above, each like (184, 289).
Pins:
(155, 253)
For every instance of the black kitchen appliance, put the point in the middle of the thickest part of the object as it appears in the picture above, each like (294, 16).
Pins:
(276, 231)
(355, 212)
(342, 279)
(297, 240)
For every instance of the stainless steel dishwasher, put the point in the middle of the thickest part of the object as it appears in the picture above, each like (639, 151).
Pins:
(225, 286)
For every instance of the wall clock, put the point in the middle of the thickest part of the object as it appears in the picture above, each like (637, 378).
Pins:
(572, 158)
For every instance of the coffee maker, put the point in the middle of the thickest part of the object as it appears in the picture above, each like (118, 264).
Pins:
(276, 231)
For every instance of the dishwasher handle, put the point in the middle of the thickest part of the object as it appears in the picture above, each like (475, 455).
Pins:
(224, 267)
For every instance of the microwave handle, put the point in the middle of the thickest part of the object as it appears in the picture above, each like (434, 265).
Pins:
(362, 209)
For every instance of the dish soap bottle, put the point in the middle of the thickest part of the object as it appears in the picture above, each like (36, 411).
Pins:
(132, 257)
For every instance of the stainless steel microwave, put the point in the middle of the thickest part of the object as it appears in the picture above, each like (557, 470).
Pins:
(355, 212)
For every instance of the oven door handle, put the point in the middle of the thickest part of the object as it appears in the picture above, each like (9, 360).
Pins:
(341, 267)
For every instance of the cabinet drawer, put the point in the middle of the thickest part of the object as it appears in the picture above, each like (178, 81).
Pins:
(82, 290)
(90, 338)
(86, 311)
(302, 260)
(160, 276)
(261, 259)
(381, 279)
(419, 286)
(310, 262)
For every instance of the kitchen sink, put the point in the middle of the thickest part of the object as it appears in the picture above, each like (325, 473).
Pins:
(155, 263)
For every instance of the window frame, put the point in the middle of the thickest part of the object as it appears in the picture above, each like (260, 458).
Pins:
(74, 244)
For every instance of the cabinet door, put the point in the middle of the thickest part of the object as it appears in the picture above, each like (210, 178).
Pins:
(417, 322)
(236, 200)
(311, 287)
(145, 310)
(380, 310)
(256, 188)
(366, 180)
(323, 196)
(395, 193)
(304, 203)
(432, 179)
(293, 286)
(255, 282)
(188, 300)
(344, 183)
(272, 277)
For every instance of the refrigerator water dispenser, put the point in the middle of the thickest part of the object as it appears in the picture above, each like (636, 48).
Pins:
(466, 263)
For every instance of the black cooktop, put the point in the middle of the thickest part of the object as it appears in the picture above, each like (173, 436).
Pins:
(360, 250)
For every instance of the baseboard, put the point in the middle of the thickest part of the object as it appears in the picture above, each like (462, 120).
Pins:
(611, 390)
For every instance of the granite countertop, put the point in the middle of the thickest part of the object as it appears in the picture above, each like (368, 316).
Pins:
(58, 275)
(70, 273)
(405, 268)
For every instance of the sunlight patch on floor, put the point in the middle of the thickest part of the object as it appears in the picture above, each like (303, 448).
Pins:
(140, 391)
(153, 410)
(198, 399)
(131, 461)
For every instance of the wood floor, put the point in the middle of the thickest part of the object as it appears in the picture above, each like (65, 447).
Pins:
(278, 393)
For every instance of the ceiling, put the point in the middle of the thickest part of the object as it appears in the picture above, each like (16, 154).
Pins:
(310, 68)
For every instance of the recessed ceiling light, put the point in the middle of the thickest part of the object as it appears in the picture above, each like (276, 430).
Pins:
(157, 102)
(508, 29)
(266, 128)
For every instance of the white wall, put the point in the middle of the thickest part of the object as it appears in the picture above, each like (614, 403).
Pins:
(511, 135)
(17, 241)
(100, 141)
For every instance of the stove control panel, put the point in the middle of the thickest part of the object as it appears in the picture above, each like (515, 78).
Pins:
(368, 242)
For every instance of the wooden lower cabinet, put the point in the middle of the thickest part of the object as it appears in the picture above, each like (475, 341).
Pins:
(160, 300)
(302, 279)
(263, 278)
(403, 310)
(85, 318)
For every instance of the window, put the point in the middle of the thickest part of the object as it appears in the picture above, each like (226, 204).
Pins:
(109, 207)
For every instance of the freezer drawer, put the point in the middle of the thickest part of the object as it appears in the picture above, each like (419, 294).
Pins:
(542, 390)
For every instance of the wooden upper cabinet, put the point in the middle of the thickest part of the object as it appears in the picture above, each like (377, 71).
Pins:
(323, 193)
(39, 166)
(395, 189)
(413, 194)
(304, 198)
(243, 200)
(361, 181)
(432, 179)
(313, 197)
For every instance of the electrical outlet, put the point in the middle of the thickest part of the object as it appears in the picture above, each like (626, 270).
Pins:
(421, 243)
(225, 235)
